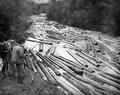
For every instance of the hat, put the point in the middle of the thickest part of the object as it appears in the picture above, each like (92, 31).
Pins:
(21, 41)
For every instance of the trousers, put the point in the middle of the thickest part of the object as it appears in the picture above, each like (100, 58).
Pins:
(18, 68)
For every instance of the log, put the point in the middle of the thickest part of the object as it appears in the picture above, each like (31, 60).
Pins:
(113, 76)
(108, 64)
(94, 84)
(110, 78)
(53, 50)
(46, 73)
(66, 85)
(76, 58)
(89, 56)
(91, 61)
(44, 42)
(102, 79)
(71, 62)
(91, 82)
(88, 88)
(81, 88)
(103, 92)
(75, 69)
(41, 47)
(48, 51)
(107, 48)
(26, 62)
(65, 68)
(39, 71)
(93, 41)
(48, 62)
(52, 40)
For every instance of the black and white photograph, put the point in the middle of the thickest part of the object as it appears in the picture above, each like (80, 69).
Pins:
(59, 47)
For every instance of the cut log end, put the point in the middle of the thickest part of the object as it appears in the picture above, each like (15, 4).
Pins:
(86, 65)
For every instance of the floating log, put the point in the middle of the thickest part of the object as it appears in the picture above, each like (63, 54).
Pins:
(94, 41)
(40, 42)
(48, 51)
(53, 50)
(53, 41)
(41, 46)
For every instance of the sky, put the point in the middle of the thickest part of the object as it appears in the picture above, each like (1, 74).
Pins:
(41, 1)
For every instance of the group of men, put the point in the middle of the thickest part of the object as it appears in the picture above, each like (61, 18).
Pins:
(12, 56)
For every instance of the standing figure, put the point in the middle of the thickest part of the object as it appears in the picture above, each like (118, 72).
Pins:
(4, 51)
(1, 61)
(11, 65)
(17, 59)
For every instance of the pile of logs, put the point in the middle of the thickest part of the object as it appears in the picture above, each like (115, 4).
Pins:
(89, 75)
(95, 71)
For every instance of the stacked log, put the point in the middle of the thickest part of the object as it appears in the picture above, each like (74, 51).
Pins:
(95, 71)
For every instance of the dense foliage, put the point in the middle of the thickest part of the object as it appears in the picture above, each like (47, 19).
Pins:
(12, 24)
(97, 15)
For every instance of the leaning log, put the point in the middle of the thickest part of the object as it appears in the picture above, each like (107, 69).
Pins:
(102, 79)
(94, 84)
(73, 68)
(81, 88)
(65, 68)
(39, 71)
(66, 85)
(88, 88)
(86, 56)
(49, 77)
(76, 58)
(71, 62)
(48, 62)
(91, 82)
(110, 78)
(101, 58)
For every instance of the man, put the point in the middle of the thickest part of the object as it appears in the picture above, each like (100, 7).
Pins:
(17, 59)
(11, 65)
(4, 51)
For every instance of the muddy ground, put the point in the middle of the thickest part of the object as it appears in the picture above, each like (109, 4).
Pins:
(39, 87)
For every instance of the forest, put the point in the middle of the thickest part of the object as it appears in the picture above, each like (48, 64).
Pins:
(13, 14)
(95, 15)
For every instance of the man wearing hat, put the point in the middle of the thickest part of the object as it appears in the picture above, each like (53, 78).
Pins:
(18, 59)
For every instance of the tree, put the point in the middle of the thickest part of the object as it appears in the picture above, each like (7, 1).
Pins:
(98, 15)
(12, 13)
